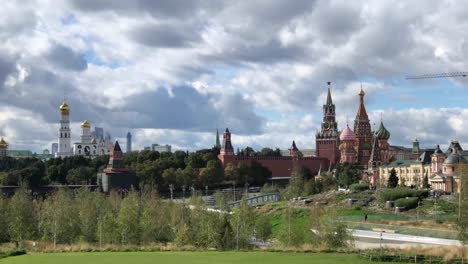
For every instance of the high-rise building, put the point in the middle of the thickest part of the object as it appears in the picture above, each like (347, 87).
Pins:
(54, 148)
(64, 144)
(129, 142)
(98, 133)
(327, 140)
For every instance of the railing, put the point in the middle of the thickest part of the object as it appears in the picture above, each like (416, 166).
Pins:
(257, 200)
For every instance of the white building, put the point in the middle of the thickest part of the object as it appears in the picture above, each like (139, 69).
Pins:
(64, 135)
(161, 148)
(88, 146)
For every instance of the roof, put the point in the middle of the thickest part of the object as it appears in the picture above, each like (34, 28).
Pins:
(117, 147)
(402, 163)
(293, 146)
(347, 134)
(382, 132)
(362, 109)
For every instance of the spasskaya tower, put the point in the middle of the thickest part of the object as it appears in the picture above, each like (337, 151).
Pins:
(327, 140)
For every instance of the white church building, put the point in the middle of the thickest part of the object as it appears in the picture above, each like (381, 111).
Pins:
(88, 146)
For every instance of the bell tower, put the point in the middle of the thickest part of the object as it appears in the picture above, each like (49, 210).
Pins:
(327, 140)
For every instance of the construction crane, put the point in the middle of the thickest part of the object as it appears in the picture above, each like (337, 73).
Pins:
(437, 75)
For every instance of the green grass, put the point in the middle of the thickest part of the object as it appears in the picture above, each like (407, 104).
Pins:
(185, 257)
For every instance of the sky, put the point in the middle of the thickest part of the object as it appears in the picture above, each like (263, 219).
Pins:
(172, 71)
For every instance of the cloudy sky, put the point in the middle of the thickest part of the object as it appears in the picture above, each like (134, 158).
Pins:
(172, 71)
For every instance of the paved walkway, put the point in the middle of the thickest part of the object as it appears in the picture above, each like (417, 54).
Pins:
(365, 238)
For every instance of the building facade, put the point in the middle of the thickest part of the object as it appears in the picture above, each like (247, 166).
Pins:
(440, 168)
(161, 148)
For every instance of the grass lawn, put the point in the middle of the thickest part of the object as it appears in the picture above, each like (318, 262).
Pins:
(184, 257)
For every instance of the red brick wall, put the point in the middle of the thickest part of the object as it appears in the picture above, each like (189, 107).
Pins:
(328, 149)
(280, 166)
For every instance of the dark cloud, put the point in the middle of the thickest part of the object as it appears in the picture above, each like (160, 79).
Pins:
(65, 58)
(186, 109)
(159, 8)
(7, 66)
(165, 35)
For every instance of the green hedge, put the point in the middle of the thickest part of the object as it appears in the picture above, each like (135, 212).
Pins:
(359, 187)
(407, 203)
(12, 252)
(397, 193)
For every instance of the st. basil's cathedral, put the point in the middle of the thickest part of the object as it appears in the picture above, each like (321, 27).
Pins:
(362, 146)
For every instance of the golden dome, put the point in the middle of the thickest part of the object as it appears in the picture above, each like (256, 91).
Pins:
(64, 107)
(3, 144)
(361, 93)
(86, 124)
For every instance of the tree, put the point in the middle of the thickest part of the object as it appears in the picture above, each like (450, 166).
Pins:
(243, 224)
(22, 218)
(291, 231)
(212, 174)
(128, 219)
(81, 175)
(3, 219)
(258, 174)
(348, 173)
(88, 214)
(392, 179)
(226, 234)
(462, 222)
(296, 182)
(425, 183)
(154, 221)
(263, 228)
(60, 222)
(327, 231)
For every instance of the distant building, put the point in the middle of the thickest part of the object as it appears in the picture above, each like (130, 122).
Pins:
(116, 176)
(98, 133)
(54, 148)
(20, 153)
(147, 148)
(129, 142)
(161, 148)
(46, 152)
(3, 148)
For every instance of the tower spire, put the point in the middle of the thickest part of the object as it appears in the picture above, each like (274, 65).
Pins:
(362, 113)
(217, 143)
(329, 98)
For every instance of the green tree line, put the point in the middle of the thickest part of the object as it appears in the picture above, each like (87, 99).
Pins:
(153, 169)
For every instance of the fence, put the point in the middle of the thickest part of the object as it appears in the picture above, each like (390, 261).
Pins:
(257, 200)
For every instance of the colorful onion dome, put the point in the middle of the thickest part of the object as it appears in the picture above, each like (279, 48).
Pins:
(382, 132)
(86, 124)
(347, 134)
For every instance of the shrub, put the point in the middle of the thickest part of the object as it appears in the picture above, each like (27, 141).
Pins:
(359, 187)
(394, 194)
(407, 203)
